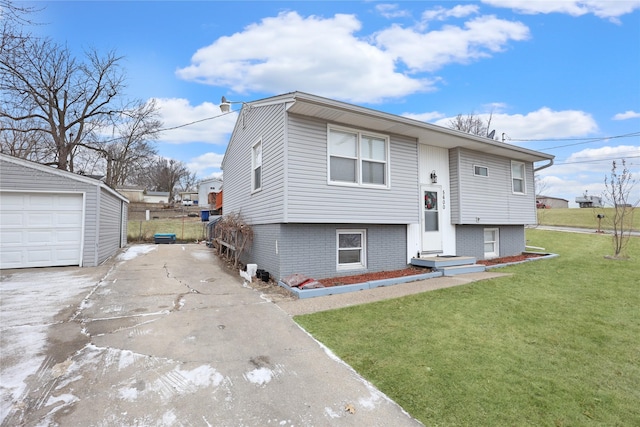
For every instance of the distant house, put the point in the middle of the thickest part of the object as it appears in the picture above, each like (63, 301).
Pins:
(586, 201)
(156, 197)
(334, 189)
(206, 187)
(134, 194)
(50, 217)
(189, 196)
(546, 202)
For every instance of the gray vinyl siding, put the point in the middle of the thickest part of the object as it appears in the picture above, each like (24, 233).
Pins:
(470, 240)
(109, 230)
(488, 199)
(310, 199)
(98, 244)
(310, 249)
(267, 205)
(263, 248)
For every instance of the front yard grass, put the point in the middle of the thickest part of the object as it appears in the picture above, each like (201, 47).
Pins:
(556, 344)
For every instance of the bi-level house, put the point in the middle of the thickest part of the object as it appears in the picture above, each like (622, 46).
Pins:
(333, 189)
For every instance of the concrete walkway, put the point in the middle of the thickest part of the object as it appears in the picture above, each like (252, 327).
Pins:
(170, 338)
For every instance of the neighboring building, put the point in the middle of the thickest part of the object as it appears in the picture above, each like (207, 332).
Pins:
(217, 201)
(336, 189)
(134, 194)
(206, 187)
(189, 196)
(546, 202)
(156, 197)
(586, 201)
(50, 217)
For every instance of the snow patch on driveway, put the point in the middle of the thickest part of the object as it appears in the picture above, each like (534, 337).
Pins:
(134, 251)
(29, 302)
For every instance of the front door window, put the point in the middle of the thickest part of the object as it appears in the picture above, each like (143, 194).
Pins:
(431, 211)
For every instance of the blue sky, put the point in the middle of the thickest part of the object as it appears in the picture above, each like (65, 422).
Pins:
(561, 77)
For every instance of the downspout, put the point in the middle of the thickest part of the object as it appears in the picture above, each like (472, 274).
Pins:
(544, 166)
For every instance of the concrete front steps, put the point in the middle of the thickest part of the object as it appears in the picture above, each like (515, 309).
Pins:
(449, 265)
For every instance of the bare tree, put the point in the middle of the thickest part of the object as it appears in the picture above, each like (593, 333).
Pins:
(188, 182)
(163, 175)
(13, 17)
(128, 147)
(472, 124)
(618, 187)
(64, 99)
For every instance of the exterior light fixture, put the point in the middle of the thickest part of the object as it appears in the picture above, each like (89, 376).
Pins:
(225, 107)
(434, 177)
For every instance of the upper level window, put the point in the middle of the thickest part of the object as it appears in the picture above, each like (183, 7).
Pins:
(480, 171)
(517, 177)
(358, 158)
(256, 166)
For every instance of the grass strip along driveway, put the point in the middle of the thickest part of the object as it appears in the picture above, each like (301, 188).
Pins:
(557, 343)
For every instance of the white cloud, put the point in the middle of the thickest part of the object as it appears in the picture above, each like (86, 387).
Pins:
(440, 13)
(601, 8)
(585, 170)
(629, 114)
(429, 51)
(425, 117)
(388, 10)
(541, 124)
(289, 52)
(211, 126)
(206, 162)
(325, 56)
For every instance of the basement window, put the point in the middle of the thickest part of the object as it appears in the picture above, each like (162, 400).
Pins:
(351, 249)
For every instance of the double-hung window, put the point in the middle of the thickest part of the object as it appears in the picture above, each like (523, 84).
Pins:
(256, 166)
(351, 249)
(517, 177)
(358, 158)
(491, 242)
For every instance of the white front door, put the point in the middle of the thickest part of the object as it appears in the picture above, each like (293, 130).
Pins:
(431, 218)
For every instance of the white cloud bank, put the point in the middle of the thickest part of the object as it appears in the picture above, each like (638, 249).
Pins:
(629, 114)
(607, 9)
(322, 55)
(543, 123)
(204, 122)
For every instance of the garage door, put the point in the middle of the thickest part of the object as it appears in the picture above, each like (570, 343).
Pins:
(40, 229)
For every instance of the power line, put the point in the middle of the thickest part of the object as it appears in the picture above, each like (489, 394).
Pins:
(595, 160)
(601, 138)
(196, 121)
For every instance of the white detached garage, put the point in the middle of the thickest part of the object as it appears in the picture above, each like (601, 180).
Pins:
(50, 217)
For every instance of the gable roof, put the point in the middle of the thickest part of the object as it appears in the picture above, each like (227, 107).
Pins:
(59, 172)
(348, 114)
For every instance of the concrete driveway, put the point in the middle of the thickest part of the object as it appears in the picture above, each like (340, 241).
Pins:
(164, 336)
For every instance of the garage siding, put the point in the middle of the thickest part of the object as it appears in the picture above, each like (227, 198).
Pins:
(17, 175)
(109, 225)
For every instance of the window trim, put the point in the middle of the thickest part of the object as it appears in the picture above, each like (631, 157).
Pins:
(495, 242)
(363, 250)
(523, 179)
(255, 189)
(359, 158)
(475, 171)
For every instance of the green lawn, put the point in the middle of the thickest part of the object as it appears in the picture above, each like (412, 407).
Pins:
(186, 230)
(583, 218)
(555, 344)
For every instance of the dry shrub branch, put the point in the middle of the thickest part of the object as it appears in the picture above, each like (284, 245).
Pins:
(232, 237)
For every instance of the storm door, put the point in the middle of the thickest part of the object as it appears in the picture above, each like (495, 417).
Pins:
(431, 202)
